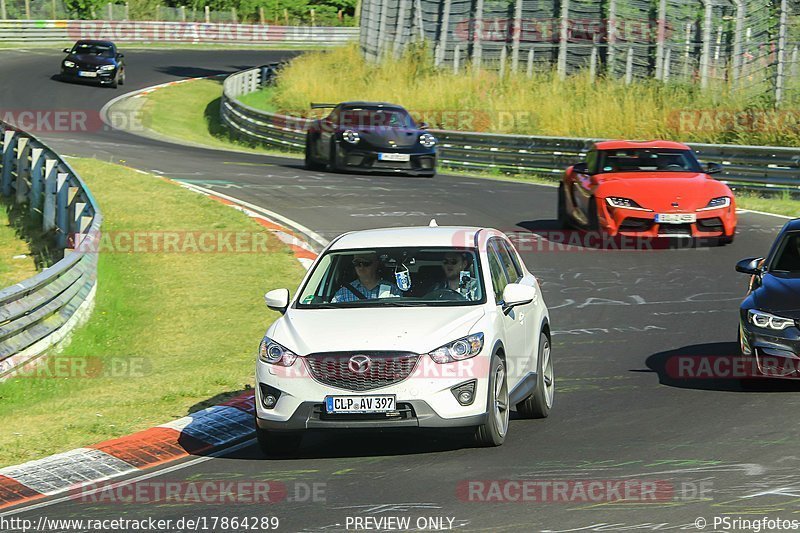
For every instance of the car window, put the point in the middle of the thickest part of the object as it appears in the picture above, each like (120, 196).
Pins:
(508, 260)
(591, 160)
(499, 280)
(398, 276)
(374, 117)
(648, 159)
(101, 50)
(788, 257)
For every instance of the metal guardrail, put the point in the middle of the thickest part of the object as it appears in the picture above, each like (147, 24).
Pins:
(744, 167)
(40, 311)
(186, 32)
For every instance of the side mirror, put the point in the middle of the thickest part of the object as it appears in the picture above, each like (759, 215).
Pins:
(120, 55)
(67, 50)
(423, 125)
(581, 168)
(277, 300)
(751, 266)
(516, 294)
(713, 168)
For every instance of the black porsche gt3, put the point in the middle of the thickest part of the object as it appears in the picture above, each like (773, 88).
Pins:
(94, 61)
(769, 317)
(370, 137)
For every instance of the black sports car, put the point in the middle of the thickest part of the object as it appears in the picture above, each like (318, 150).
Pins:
(94, 61)
(769, 318)
(370, 137)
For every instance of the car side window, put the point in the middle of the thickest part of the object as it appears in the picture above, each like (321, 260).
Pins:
(499, 280)
(591, 161)
(507, 260)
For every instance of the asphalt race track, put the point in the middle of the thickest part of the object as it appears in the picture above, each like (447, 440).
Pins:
(618, 316)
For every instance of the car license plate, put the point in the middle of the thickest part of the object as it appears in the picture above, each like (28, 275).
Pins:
(676, 218)
(394, 157)
(383, 403)
(87, 74)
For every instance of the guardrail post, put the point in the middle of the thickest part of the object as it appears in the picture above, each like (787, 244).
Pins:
(456, 58)
(28, 9)
(517, 36)
(563, 38)
(530, 63)
(9, 145)
(110, 11)
(37, 173)
(50, 187)
(62, 209)
(208, 14)
(629, 67)
(3, 12)
(183, 13)
(23, 169)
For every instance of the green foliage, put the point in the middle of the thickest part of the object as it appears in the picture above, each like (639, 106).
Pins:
(84, 9)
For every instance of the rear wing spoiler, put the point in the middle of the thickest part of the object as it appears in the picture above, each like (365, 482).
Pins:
(322, 106)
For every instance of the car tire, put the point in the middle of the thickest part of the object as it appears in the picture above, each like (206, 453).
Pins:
(333, 164)
(310, 163)
(563, 220)
(278, 443)
(121, 80)
(493, 431)
(592, 224)
(539, 403)
(725, 240)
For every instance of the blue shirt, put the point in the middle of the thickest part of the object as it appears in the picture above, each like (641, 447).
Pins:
(384, 289)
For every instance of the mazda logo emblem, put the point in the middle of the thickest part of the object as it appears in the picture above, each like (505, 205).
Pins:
(359, 364)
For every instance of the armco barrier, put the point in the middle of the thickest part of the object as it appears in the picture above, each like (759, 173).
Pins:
(42, 310)
(185, 32)
(744, 167)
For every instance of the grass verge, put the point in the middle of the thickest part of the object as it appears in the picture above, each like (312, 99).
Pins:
(16, 258)
(190, 111)
(170, 333)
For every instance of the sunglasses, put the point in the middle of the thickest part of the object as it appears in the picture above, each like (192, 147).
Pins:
(358, 263)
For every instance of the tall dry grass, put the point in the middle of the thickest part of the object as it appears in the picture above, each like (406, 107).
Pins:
(540, 105)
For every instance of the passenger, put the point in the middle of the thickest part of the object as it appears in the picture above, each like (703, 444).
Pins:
(368, 285)
(454, 265)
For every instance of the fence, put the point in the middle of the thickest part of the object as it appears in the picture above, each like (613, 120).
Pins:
(188, 32)
(42, 310)
(745, 167)
(750, 45)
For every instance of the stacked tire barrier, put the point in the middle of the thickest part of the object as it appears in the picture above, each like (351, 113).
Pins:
(42, 310)
(744, 167)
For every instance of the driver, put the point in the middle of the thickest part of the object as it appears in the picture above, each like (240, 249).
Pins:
(453, 264)
(368, 285)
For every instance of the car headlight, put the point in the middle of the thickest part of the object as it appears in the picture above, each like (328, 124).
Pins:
(69, 64)
(458, 350)
(768, 321)
(717, 203)
(351, 136)
(427, 140)
(626, 203)
(108, 67)
(273, 353)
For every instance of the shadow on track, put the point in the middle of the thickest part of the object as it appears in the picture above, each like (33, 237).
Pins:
(715, 366)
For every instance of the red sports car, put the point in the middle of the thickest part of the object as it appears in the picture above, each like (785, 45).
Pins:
(646, 189)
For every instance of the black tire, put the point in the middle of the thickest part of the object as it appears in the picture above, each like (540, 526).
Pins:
(333, 164)
(121, 80)
(310, 163)
(493, 432)
(563, 219)
(539, 403)
(725, 240)
(278, 443)
(592, 224)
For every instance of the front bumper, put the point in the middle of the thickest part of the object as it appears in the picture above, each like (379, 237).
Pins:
(103, 76)
(712, 223)
(366, 160)
(775, 353)
(424, 399)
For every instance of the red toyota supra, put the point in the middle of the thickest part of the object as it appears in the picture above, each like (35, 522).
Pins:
(647, 189)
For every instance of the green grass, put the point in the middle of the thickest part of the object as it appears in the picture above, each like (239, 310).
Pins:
(191, 322)
(261, 100)
(17, 260)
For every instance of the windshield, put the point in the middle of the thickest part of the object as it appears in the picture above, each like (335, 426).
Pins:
(394, 277)
(648, 159)
(788, 257)
(372, 117)
(102, 50)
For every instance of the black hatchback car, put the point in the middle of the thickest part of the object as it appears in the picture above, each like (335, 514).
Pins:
(769, 318)
(370, 137)
(94, 61)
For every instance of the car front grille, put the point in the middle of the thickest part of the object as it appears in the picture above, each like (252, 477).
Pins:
(710, 224)
(384, 369)
(636, 224)
(675, 230)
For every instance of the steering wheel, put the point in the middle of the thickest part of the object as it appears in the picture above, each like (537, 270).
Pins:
(444, 294)
(675, 166)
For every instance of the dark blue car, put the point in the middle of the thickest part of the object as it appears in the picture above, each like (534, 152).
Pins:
(769, 318)
(94, 61)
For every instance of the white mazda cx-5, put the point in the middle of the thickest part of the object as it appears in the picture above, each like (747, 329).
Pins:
(406, 327)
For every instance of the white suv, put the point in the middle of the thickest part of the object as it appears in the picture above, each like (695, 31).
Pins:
(406, 327)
